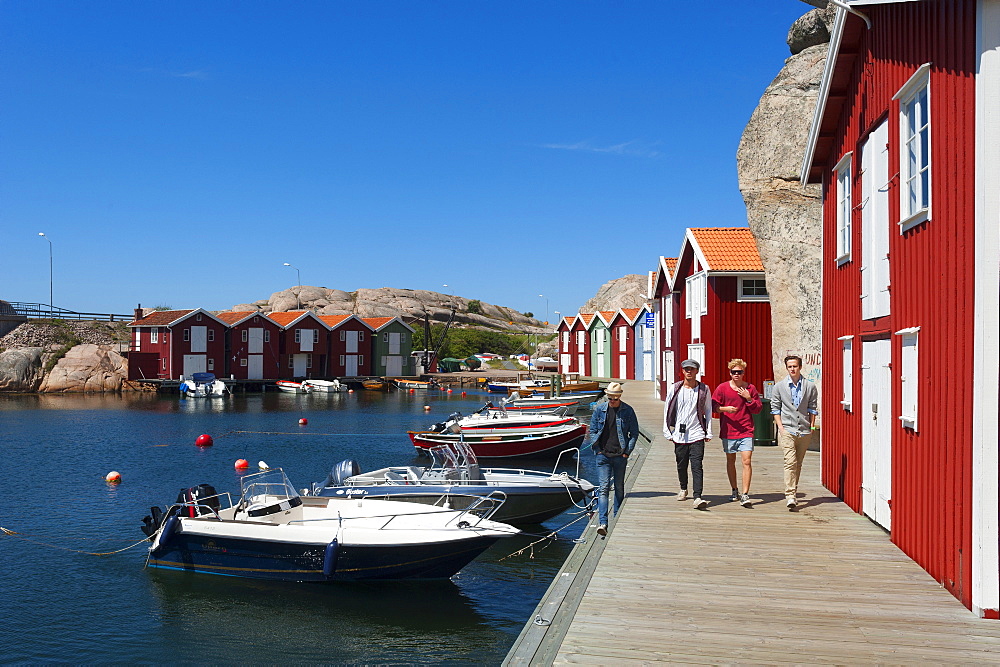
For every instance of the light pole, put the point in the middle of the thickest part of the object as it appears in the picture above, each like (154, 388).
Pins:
(42, 234)
(298, 278)
(542, 296)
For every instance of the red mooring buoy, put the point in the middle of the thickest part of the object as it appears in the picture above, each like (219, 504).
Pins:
(113, 477)
(241, 464)
(204, 440)
(303, 421)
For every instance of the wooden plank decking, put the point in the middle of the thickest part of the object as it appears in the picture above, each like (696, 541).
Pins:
(738, 585)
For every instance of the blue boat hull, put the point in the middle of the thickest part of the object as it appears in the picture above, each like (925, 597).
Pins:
(280, 561)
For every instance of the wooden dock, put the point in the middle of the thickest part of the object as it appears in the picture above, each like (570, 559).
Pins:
(743, 585)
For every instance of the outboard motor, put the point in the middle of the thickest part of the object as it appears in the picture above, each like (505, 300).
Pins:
(151, 522)
(343, 470)
(201, 497)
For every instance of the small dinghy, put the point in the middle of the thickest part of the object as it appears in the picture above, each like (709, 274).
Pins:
(325, 386)
(455, 478)
(294, 387)
(273, 533)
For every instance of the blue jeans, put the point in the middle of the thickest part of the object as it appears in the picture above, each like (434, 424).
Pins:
(609, 469)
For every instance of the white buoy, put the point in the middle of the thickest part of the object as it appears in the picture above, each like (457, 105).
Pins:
(263, 466)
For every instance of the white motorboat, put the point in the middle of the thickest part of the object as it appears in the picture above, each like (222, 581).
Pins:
(531, 496)
(325, 386)
(294, 387)
(203, 385)
(274, 533)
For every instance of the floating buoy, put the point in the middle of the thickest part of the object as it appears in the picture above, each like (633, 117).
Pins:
(350, 391)
(411, 391)
(113, 477)
(303, 421)
(449, 391)
(204, 440)
(463, 393)
(241, 464)
(427, 408)
(263, 466)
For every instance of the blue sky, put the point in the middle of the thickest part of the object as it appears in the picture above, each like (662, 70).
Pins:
(179, 153)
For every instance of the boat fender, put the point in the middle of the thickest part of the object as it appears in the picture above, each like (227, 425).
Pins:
(330, 559)
(169, 528)
(343, 470)
(184, 387)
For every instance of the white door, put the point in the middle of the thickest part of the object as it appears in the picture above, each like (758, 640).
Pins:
(669, 372)
(564, 362)
(876, 433)
(393, 364)
(306, 340)
(299, 362)
(199, 339)
(352, 344)
(394, 345)
(255, 366)
(351, 360)
(875, 223)
(195, 363)
(255, 341)
(697, 352)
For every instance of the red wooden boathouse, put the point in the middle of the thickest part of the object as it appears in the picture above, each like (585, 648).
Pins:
(350, 345)
(303, 343)
(169, 344)
(251, 346)
(906, 144)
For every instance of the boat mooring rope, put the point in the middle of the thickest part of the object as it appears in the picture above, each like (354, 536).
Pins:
(548, 537)
(11, 533)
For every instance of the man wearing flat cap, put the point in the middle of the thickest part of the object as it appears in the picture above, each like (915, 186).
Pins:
(687, 421)
(614, 429)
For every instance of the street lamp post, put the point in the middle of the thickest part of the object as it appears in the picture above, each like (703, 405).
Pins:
(298, 279)
(42, 234)
(542, 296)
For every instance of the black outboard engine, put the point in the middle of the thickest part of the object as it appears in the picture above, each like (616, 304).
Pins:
(343, 470)
(201, 498)
(151, 522)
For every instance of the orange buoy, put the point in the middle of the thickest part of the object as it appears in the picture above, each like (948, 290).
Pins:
(303, 421)
(241, 464)
(113, 477)
(204, 440)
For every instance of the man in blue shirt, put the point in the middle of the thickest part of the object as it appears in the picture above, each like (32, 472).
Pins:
(614, 428)
(793, 404)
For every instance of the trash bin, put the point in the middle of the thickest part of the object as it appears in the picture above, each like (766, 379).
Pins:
(763, 421)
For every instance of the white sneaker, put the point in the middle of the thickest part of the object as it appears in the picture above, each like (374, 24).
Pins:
(699, 503)
(790, 503)
(745, 500)
(683, 495)
(602, 530)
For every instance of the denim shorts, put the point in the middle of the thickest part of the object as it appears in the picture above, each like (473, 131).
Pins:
(731, 446)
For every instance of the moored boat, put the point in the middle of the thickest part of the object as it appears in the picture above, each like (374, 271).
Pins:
(531, 496)
(501, 443)
(325, 386)
(294, 387)
(374, 384)
(415, 384)
(203, 385)
(274, 533)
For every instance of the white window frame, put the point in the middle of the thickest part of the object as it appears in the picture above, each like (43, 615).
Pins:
(315, 336)
(211, 335)
(187, 335)
(245, 335)
(743, 296)
(343, 336)
(309, 361)
(211, 364)
(267, 336)
(915, 90)
(844, 207)
(697, 289)
(298, 336)
(847, 355)
(908, 376)
(154, 335)
(244, 362)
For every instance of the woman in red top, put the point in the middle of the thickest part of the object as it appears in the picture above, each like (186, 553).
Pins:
(737, 401)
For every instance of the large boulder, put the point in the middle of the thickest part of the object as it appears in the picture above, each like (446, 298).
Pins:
(87, 368)
(625, 292)
(21, 369)
(811, 29)
(784, 215)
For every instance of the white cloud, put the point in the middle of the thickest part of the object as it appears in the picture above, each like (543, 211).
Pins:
(632, 148)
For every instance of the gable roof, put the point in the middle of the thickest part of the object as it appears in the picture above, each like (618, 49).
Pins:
(166, 318)
(234, 317)
(586, 318)
(334, 321)
(632, 314)
(286, 319)
(377, 323)
(724, 249)
(607, 315)
(666, 270)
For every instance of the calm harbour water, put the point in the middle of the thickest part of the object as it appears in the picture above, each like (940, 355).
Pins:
(62, 606)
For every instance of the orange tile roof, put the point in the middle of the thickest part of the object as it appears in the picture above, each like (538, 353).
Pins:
(607, 315)
(333, 320)
(671, 263)
(569, 320)
(587, 318)
(631, 313)
(728, 248)
(160, 318)
(376, 322)
(232, 317)
(287, 317)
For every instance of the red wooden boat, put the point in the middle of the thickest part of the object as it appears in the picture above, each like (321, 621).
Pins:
(505, 442)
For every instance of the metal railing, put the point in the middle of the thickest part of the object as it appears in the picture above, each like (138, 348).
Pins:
(35, 311)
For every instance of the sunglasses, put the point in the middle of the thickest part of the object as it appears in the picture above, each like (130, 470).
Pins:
(736, 372)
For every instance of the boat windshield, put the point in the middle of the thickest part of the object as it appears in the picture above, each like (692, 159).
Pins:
(452, 455)
(270, 482)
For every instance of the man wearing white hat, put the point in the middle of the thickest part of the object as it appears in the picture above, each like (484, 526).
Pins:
(614, 429)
